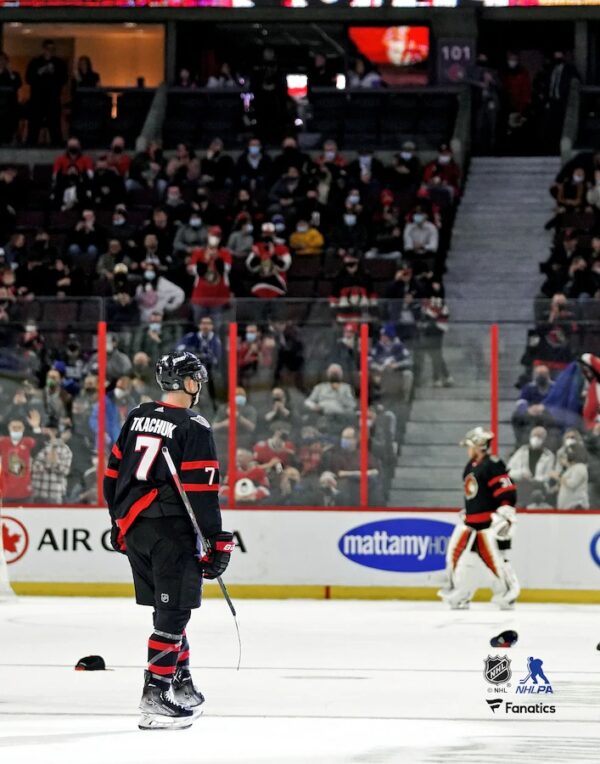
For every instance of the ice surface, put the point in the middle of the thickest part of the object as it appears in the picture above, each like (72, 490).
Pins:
(321, 681)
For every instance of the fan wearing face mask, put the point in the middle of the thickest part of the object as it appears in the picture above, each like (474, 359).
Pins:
(210, 265)
(352, 291)
(268, 262)
(444, 171)
(306, 240)
(157, 294)
(530, 468)
(15, 458)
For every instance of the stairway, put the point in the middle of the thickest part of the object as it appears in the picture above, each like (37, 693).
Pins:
(497, 242)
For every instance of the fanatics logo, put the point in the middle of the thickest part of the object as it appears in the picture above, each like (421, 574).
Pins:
(164, 597)
(15, 539)
(495, 704)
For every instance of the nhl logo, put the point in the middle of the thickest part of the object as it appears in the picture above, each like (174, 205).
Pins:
(164, 597)
(497, 669)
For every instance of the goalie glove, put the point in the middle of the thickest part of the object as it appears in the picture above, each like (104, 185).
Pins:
(216, 560)
(504, 520)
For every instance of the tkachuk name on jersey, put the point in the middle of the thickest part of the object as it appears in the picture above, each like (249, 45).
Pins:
(149, 424)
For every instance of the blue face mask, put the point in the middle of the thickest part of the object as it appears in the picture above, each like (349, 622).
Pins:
(154, 327)
(149, 275)
(347, 443)
(350, 220)
(254, 151)
(250, 336)
(240, 400)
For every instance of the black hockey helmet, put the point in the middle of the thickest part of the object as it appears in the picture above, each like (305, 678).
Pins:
(173, 368)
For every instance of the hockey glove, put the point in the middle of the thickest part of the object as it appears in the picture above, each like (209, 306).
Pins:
(504, 520)
(117, 540)
(216, 560)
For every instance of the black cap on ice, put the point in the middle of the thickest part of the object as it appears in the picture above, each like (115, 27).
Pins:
(505, 639)
(91, 663)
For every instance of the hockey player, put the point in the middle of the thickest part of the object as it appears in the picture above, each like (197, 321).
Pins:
(482, 536)
(150, 526)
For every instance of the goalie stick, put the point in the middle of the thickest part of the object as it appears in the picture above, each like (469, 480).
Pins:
(202, 540)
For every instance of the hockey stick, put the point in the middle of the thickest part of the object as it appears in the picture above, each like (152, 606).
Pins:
(204, 546)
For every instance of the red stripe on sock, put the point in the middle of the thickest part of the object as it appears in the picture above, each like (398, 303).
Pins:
(184, 656)
(171, 646)
(161, 670)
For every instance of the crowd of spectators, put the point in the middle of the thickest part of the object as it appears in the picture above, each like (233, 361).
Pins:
(557, 417)
(169, 249)
(516, 112)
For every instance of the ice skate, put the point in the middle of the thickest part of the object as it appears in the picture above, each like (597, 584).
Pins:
(186, 693)
(160, 710)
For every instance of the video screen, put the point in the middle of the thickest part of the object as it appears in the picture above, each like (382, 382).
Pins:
(392, 46)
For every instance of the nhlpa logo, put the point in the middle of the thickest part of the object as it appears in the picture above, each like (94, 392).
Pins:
(497, 669)
(534, 672)
(164, 597)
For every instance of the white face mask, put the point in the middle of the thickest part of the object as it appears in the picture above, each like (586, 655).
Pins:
(120, 394)
(354, 198)
(418, 218)
(535, 442)
(350, 219)
(444, 159)
(329, 156)
(15, 436)
(213, 241)
(406, 155)
(570, 441)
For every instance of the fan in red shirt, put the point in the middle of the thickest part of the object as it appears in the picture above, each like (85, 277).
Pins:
(211, 265)
(249, 471)
(73, 157)
(15, 457)
(275, 450)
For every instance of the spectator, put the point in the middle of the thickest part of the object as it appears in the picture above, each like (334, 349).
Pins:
(207, 347)
(289, 353)
(572, 480)
(253, 167)
(352, 290)
(51, 467)
(253, 352)
(118, 364)
(73, 158)
(46, 77)
(402, 301)
(516, 85)
(268, 262)
(530, 410)
(561, 76)
(280, 411)
(320, 72)
(185, 79)
(333, 401)
(444, 173)
(246, 415)
(107, 188)
(154, 341)
(276, 450)
(211, 265)
(118, 160)
(161, 227)
(421, 239)
(530, 468)
(224, 79)
(389, 357)
(16, 451)
(434, 325)
(346, 352)
(241, 239)
(344, 462)
(405, 173)
(571, 193)
(217, 168)
(363, 75)
(331, 158)
(306, 240)
(57, 401)
(157, 294)
(11, 81)
(349, 232)
(191, 235)
(176, 207)
(84, 75)
(87, 239)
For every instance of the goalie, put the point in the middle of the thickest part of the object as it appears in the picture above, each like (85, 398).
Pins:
(481, 540)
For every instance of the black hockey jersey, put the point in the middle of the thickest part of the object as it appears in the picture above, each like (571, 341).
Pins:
(137, 478)
(487, 487)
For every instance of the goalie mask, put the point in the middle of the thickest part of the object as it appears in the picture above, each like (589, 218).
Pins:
(172, 369)
(479, 438)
